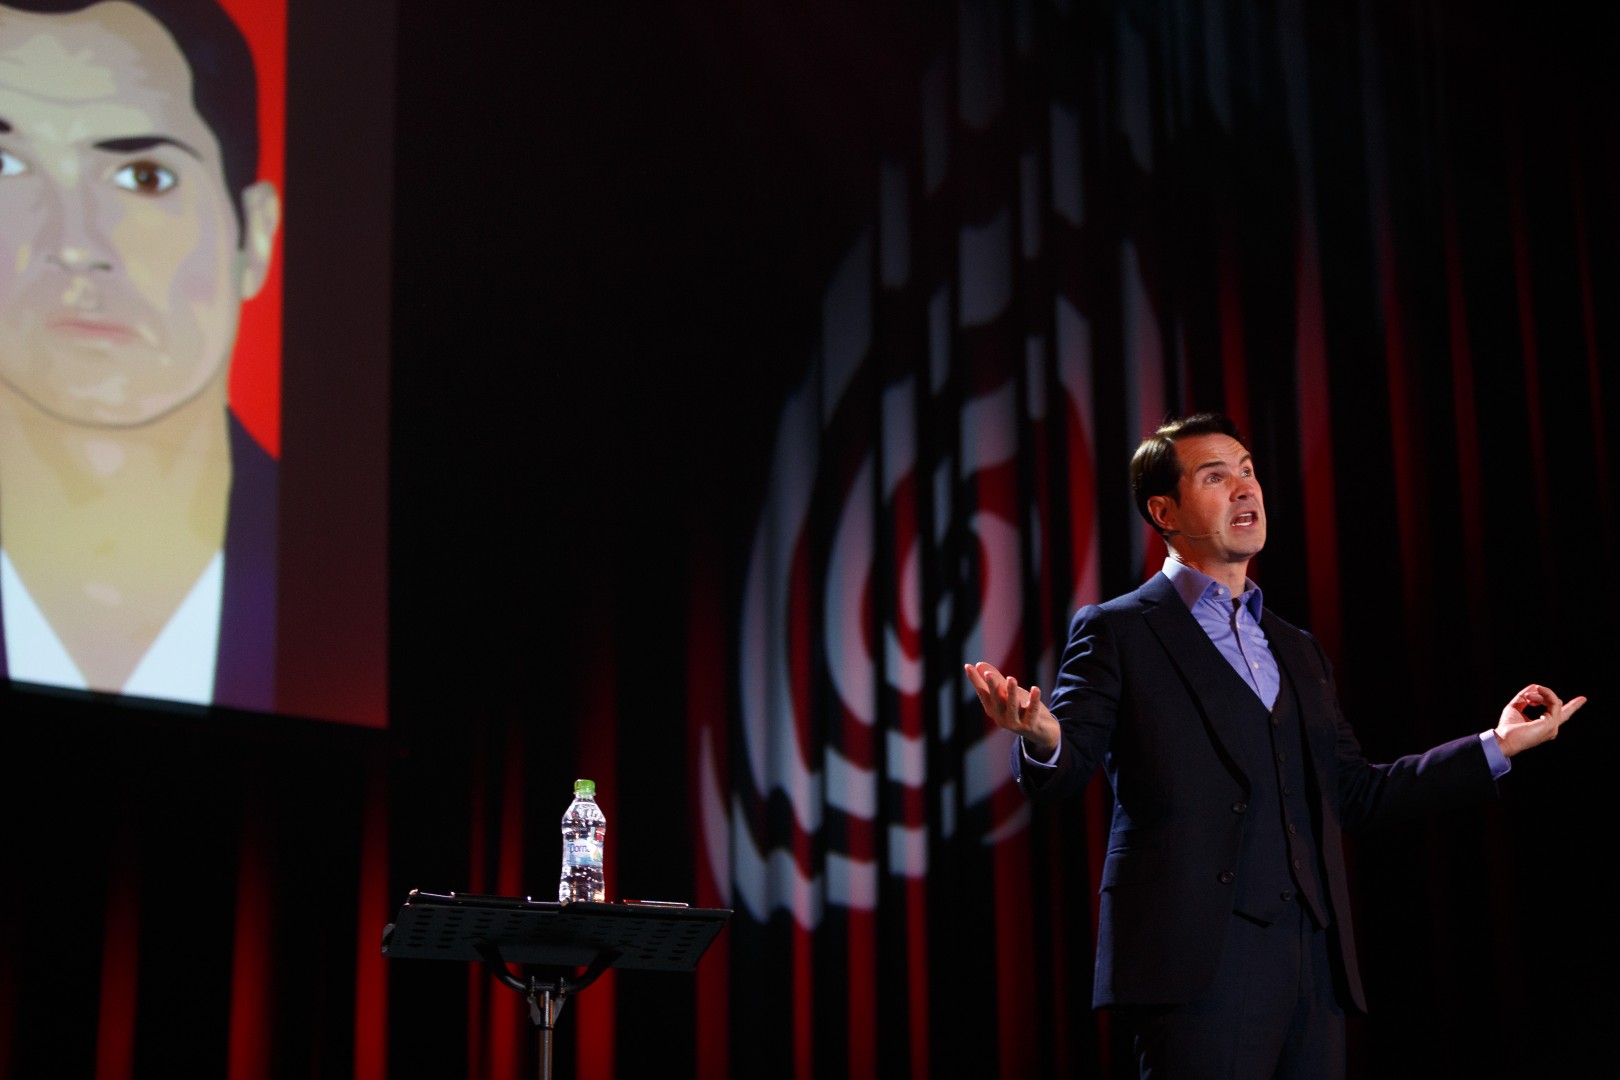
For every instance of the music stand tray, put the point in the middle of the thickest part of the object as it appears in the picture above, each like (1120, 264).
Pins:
(496, 931)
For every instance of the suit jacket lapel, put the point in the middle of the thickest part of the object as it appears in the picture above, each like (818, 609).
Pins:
(1220, 694)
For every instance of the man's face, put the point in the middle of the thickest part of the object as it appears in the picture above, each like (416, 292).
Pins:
(1220, 516)
(121, 276)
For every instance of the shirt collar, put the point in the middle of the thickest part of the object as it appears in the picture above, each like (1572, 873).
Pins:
(1194, 585)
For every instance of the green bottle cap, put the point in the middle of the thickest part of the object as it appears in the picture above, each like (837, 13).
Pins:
(585, 787)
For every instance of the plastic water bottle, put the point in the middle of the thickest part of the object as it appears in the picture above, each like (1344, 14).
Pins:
(584, 830)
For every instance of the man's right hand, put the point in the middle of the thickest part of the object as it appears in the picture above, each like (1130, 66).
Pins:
(1016, 710)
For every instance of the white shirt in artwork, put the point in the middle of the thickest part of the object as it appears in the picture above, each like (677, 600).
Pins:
(178, 667)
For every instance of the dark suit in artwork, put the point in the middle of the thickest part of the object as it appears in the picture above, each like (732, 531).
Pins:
(244, 668)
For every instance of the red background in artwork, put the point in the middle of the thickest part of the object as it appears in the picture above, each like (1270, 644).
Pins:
(255, 388)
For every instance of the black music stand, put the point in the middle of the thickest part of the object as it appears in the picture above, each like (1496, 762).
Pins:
(499, 930)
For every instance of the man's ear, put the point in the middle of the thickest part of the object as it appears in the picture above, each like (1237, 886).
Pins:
(1161, 508)
(261, 219)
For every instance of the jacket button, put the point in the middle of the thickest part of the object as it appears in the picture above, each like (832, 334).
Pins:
(1226, 877)
(1239, 807)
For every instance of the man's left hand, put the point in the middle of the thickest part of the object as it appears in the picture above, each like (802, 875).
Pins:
(1515, 731)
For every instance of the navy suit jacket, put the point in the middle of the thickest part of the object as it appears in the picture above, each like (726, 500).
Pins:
(1144, 694)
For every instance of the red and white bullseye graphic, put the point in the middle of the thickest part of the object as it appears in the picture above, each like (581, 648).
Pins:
(828, 721)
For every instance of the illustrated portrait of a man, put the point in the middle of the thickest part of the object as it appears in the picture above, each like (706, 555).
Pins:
(137, 516)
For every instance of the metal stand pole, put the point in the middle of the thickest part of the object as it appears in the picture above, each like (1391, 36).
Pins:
(546, 999)
(545, 1004)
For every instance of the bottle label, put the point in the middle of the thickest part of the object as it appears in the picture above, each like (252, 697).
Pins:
(586, 851)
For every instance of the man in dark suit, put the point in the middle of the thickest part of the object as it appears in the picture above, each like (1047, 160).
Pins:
(1224, 936)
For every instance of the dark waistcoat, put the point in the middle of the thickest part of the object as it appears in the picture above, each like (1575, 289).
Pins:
(1280, 864)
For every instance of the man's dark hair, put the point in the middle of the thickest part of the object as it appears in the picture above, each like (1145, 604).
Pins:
(1155, 467)
(224, 88)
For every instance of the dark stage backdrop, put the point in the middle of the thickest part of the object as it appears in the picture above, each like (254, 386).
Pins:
(753, 367)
